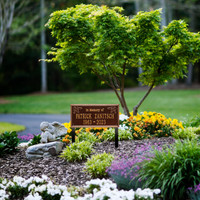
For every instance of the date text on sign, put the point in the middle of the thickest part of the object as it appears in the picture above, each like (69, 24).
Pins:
(94, 115)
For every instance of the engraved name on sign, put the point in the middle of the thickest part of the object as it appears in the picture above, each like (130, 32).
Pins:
(94, 115)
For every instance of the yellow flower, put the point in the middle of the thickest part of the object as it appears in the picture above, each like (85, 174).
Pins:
(67, 125)
(136, 128)
(66, 140)
(145, 113)
(98, 133)
(87, 129)
(150, 113)
(69, 130)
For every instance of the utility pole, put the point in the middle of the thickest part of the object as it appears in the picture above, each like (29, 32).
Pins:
(43, 52)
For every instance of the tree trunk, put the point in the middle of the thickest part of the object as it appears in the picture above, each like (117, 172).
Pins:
(7, 9)
(135, 109)
(122, 102)
(192, 27)
(43, 52)
(189, 75)
(163, 6)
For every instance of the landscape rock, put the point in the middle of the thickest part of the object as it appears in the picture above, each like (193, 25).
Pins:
(44, 150)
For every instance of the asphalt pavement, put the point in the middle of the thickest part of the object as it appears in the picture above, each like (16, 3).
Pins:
(32, 121)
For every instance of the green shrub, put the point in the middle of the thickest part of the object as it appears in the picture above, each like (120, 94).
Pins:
(197, 130)
(194, 122)
(77, 151)
(8, 142)
(85, 136)
(36, 140)
(96, 166)
(187, 133)
(173, 170)
(17, 192)
(109, 135)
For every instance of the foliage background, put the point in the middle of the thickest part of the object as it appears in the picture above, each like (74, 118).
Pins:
(20, 72)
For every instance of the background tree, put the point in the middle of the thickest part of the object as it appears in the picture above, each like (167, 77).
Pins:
(7, 9)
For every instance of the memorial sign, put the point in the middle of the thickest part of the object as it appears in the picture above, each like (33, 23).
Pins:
(94, 115)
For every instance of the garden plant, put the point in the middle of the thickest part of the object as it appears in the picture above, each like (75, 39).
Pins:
(107, 43)
(178, 164)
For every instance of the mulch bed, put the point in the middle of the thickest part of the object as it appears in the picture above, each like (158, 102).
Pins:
(61, 171)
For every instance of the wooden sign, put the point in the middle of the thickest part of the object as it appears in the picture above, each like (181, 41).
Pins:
(94, 115)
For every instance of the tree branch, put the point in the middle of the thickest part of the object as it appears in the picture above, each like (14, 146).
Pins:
(135, 109)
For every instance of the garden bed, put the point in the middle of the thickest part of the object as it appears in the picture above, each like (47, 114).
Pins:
(63, 172)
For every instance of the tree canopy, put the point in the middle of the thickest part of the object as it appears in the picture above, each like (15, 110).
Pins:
(107, 43)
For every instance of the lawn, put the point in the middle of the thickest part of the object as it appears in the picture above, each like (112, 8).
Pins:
(4, 126)
(179, 104)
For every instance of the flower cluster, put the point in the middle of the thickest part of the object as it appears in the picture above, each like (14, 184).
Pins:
(95, 131)
(151, 124)
(36, 188)
(26, 137)
(145, 125)
(106, 189)
(124, 170)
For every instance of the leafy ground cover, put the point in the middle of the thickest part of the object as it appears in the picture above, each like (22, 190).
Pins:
(180, 104)
(5, 126)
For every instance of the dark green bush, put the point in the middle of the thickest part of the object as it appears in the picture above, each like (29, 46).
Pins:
(8, 142)
(36, 140)
(173, 170)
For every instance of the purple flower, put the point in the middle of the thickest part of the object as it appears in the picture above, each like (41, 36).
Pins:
(27, 137)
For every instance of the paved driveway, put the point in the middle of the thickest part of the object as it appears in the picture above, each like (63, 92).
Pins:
(32, 121)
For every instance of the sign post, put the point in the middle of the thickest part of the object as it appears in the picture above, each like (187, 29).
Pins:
(95, 115)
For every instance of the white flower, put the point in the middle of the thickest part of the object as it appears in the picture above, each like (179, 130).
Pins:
(18, 180)
(44, 177)
(4, 182)
(2, 186)
(41, 188)
(145, 193)
(32, 186)
(123, 127)
(123, 117)
(35, 196)
(66, 196)
(157, 191)
(3, 195)
(10, 183)
(62, 187)
(38, 179)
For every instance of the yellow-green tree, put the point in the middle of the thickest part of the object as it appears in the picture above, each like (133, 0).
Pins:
(107, 43)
